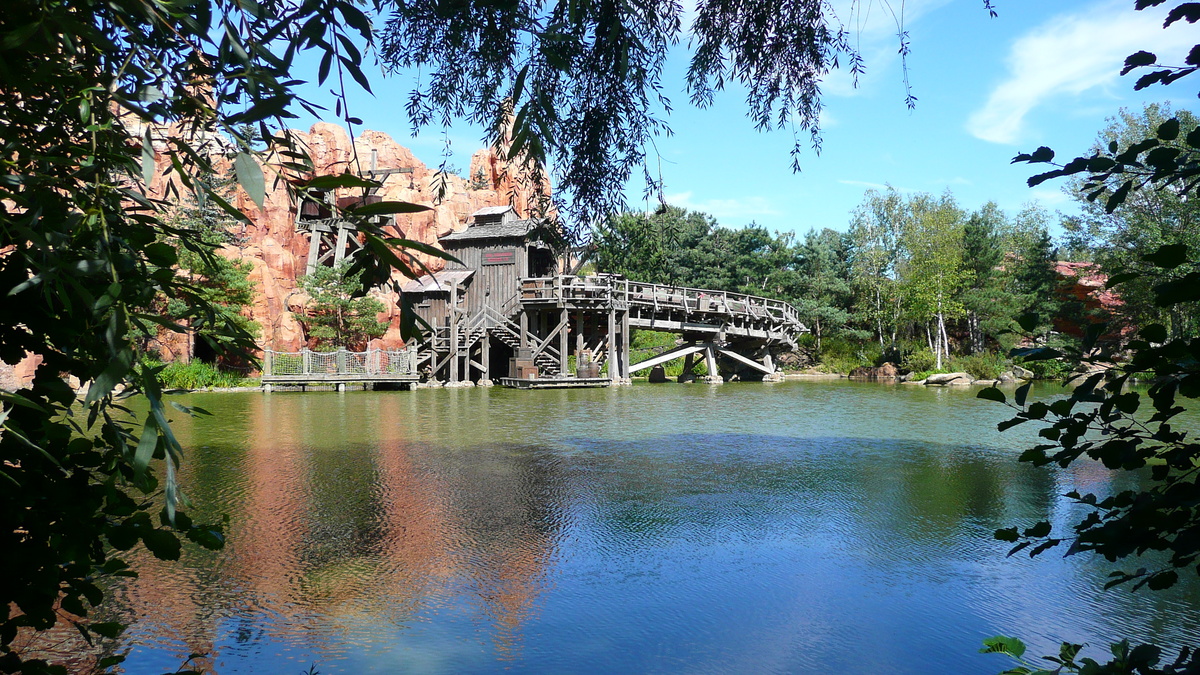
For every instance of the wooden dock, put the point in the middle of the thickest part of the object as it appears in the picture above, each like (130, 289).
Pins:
(555, 382)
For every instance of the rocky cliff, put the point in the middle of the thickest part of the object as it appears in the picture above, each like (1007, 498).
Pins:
(278, 253)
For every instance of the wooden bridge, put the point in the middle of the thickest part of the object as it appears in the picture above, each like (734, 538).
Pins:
(502, 311)
(548, 316)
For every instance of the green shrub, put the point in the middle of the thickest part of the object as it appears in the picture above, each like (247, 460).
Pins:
(1051, 369)
(200, 375)
(842, 355)
(985, 366)
(919, 360)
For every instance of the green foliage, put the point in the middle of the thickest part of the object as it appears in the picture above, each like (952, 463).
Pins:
(1104, 419)
(823, 294)
(581, 86)
(91, 95)
(337, 314)
(984, 365)
(1146, 220)
(199, 375)
(842, 355)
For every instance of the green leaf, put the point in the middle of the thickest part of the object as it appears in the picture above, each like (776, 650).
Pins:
(1039, 530)
(1022, 393)
(108, 629)
(250, 177)
(1001, 644)
(1121, 278)
(162, 543)
(992, 394)
(1042, 154)
(1169, 256)
(147, 158)
(1155, 332)
(1163, 580)
(145, 447)
(1008, 534)
(113, 375)
(387, 208)
(161, 254)
(346, 180)
(1169, 130)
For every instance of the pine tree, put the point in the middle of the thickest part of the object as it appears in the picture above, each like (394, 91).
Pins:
(337, 314)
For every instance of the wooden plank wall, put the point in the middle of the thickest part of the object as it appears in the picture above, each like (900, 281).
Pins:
(492, 285)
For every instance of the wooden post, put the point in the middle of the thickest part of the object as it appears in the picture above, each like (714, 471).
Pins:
(268, 362)
(563, 347)
(486, 356)
(710, 360)
(341, 361)
(524, 330)
(688, 364)
(306, 361)
(625, 344)
(579, 344)
(340, 252)
(453, 316)
(314, 248)
(613, 362)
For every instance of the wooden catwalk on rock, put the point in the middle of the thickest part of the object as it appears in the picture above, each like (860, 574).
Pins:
(504, 313)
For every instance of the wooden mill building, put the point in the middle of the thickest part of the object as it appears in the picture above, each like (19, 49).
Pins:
(504, 311)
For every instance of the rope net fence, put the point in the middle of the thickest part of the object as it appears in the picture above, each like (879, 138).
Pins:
(341, 362)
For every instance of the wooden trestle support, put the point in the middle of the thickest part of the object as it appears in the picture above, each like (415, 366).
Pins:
(731, 332)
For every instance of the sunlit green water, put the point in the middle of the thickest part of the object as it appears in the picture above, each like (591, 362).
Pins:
(801, 527)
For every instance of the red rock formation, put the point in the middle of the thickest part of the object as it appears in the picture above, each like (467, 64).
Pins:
(279, 253)
(1084, 283)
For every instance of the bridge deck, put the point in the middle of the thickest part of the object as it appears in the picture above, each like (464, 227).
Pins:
(669, 308)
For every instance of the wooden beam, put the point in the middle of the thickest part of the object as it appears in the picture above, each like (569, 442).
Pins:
(749, 362)
(545, 342)
(710, 361)
(486, 355)
(613, 365)
(666, 356)
(563, 347)
(624, 354)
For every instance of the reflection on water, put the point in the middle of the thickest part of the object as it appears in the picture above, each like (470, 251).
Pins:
(823, 527)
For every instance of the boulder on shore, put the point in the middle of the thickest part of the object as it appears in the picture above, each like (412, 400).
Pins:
(886, 371)
(949, 378)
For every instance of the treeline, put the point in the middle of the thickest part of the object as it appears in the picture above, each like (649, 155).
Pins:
(919, 280)
(916, 277)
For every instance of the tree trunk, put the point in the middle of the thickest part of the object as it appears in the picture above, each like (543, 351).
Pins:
(942, 336)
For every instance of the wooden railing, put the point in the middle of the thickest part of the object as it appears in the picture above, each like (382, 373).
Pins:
(659, 297)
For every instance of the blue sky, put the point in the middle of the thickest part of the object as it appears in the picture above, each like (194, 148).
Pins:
(1042, 73)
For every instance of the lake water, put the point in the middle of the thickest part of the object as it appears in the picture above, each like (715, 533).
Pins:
(802, 527)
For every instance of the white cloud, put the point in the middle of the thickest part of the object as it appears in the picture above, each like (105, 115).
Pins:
(1051, 198)
(1071, 54)
(725, 208)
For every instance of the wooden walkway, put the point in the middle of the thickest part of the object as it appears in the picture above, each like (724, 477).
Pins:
(555, 382)
(341, 367)
(599, 313)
